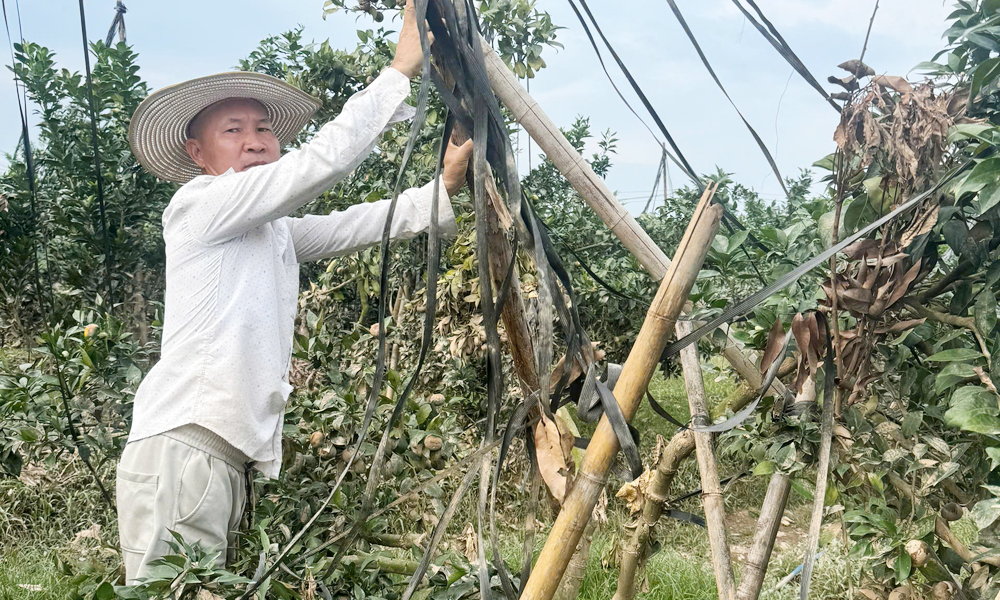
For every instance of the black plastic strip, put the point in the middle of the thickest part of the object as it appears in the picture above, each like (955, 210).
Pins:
(750, 302)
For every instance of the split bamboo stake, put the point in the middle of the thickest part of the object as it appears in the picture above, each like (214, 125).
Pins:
(596, 194)
(759, 556)
(769, 521)
(636, 373)
(711, 496)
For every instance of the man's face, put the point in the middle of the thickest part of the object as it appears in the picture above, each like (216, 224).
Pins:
(234, 133)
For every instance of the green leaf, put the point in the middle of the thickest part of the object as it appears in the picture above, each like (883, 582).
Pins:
(965, 131)
(764, 467)
(85, 358)
(423, 411)
(29, 434)
(826, 162)
(994, 455)
(985, 312)
(983, 174)
(985, 73)
(903, 564)
(105, 591)
(952, 374)
(736, 240)
(955, 354)
(989, 196)
(974, 408)
(911, 423)
(985, 512)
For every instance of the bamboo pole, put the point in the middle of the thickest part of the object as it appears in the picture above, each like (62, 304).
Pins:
(715, 510)
(769, 521)
(596, 194)
(636, 373)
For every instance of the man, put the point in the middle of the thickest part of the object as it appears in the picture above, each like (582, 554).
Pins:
(214, 403)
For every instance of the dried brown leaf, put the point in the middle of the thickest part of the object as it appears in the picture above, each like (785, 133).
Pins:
(893, 82)
(899, 327)
(554, 449)
(925, 221)
(470, 543)
(775, 340)
(634, 492)
(904, 285)
(857, 68)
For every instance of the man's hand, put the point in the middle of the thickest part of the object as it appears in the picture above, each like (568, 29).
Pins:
(409, 57)
(456, 163)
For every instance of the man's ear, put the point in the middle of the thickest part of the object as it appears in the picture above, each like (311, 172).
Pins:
(194, 150)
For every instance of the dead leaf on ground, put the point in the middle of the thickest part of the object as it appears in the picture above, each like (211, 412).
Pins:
(92, 533)
(470, 543)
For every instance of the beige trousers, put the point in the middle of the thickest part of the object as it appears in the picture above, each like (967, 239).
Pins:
(187, 480)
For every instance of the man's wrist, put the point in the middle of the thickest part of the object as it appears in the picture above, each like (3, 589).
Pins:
(395, 67)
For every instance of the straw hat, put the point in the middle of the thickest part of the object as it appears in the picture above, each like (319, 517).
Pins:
(159, 126)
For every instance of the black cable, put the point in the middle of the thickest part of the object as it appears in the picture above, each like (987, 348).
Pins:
(680, 160)
(117, 25)
(711, 71)
(29, 169)
(108, 259)
(774, 38)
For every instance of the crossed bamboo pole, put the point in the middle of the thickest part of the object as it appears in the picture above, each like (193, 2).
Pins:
(596, 194)
(636, 373)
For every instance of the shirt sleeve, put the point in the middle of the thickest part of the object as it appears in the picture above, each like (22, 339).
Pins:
(223, 207)
(316, 237)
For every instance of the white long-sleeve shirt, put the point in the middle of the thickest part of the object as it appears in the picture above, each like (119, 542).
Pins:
(232, 276)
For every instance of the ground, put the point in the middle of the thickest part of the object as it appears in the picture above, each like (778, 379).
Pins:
(51, 514)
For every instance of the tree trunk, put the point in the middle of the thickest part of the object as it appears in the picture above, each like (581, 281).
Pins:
(680, 447)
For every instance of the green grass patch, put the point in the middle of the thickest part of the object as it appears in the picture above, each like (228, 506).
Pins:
(30, 574)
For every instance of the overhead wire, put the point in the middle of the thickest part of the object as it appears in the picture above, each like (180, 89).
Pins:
(730, 220)
(771, 34)
(22, 109)
(708, 66)
(99, 180)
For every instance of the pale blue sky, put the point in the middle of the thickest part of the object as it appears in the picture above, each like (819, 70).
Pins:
(180, 39)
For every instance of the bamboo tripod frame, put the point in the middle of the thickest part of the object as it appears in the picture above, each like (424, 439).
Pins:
(596, 194)
(636, 373)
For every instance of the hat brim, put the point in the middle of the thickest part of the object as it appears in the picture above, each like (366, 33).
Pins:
(158, 130)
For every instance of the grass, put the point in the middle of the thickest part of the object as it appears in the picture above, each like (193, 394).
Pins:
(30, 574)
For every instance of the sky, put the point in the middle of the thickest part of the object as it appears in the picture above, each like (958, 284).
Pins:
(182, 39)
